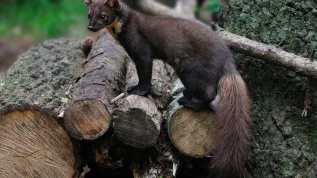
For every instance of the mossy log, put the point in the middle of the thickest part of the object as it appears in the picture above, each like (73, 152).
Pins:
(137, 119)
(32, 142)
(89, 114)
(190, 131)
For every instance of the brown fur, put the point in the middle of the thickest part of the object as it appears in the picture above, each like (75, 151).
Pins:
(114, 29)
(232, 122)
(201, 60)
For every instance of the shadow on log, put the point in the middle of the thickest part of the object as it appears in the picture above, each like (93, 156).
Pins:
(190, 131)
(89, 114)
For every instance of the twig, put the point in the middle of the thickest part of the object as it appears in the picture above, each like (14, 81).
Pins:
(117, 98)
(309, 91)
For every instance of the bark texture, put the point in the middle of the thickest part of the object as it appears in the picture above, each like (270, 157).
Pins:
(42, 76)
(284, 143)
(89, 114)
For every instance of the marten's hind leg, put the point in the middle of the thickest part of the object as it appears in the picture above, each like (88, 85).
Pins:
(200, 98)
(187, 95)
(198, 93)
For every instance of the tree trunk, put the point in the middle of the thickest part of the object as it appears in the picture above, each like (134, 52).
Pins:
(32, 142)
(89, 115)
(190, 131)
(137, 120)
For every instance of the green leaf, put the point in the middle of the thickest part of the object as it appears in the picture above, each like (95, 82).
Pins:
(212, 6)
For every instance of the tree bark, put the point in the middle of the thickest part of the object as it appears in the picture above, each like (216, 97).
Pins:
(190, 131)
(89, 115)
(137, 120)
(32, 142)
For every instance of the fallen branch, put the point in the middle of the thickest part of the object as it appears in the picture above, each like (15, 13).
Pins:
(243, 45)
(270, 54)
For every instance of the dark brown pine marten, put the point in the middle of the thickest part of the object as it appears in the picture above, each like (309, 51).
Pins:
(201, 60)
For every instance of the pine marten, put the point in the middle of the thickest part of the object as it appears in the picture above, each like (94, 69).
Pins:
(201, 60)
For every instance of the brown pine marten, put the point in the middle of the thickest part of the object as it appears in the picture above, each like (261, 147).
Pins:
(201, 60)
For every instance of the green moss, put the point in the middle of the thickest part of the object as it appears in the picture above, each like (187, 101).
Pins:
(284, 143)
(42, 75)
(283, 23)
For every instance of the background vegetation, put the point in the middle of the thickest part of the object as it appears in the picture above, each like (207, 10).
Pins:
(40, 19)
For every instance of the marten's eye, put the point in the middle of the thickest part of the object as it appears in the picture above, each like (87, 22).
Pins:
(103, 16)
(89, 14)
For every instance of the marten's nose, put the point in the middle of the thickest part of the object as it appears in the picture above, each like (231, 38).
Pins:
(90, 27)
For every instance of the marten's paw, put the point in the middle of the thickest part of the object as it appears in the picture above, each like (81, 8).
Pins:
(139, 90)
(183, 100)
(195, 104)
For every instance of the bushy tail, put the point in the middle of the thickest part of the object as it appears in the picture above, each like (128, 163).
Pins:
(232, 127)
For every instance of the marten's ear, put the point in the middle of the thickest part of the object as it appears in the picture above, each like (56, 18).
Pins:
(114, 4)
(88, 2)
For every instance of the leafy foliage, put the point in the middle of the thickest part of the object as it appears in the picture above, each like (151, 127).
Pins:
(210, 7)
(40, 19)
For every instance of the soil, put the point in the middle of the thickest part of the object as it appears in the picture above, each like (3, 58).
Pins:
(9, 52)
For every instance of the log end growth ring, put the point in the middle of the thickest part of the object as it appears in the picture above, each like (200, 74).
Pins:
(33, 144)
(191, 131)
(87, 119)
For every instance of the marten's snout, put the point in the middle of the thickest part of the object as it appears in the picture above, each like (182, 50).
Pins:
(90, 27)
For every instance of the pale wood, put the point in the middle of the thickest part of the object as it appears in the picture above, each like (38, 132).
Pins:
(89, 114)
(137, 120)
(190, 131)
(33, 144)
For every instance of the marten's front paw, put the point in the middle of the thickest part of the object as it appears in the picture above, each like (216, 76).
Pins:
(183, 100)
(195, 104)
(139, 90)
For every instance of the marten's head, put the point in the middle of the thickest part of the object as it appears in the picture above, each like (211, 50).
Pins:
(102, 13)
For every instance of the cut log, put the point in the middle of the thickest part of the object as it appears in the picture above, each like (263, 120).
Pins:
(32, 142)
(190, 131)
(137, 120)
(89, 114)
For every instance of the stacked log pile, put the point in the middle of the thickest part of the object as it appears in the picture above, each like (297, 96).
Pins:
(54, 100)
